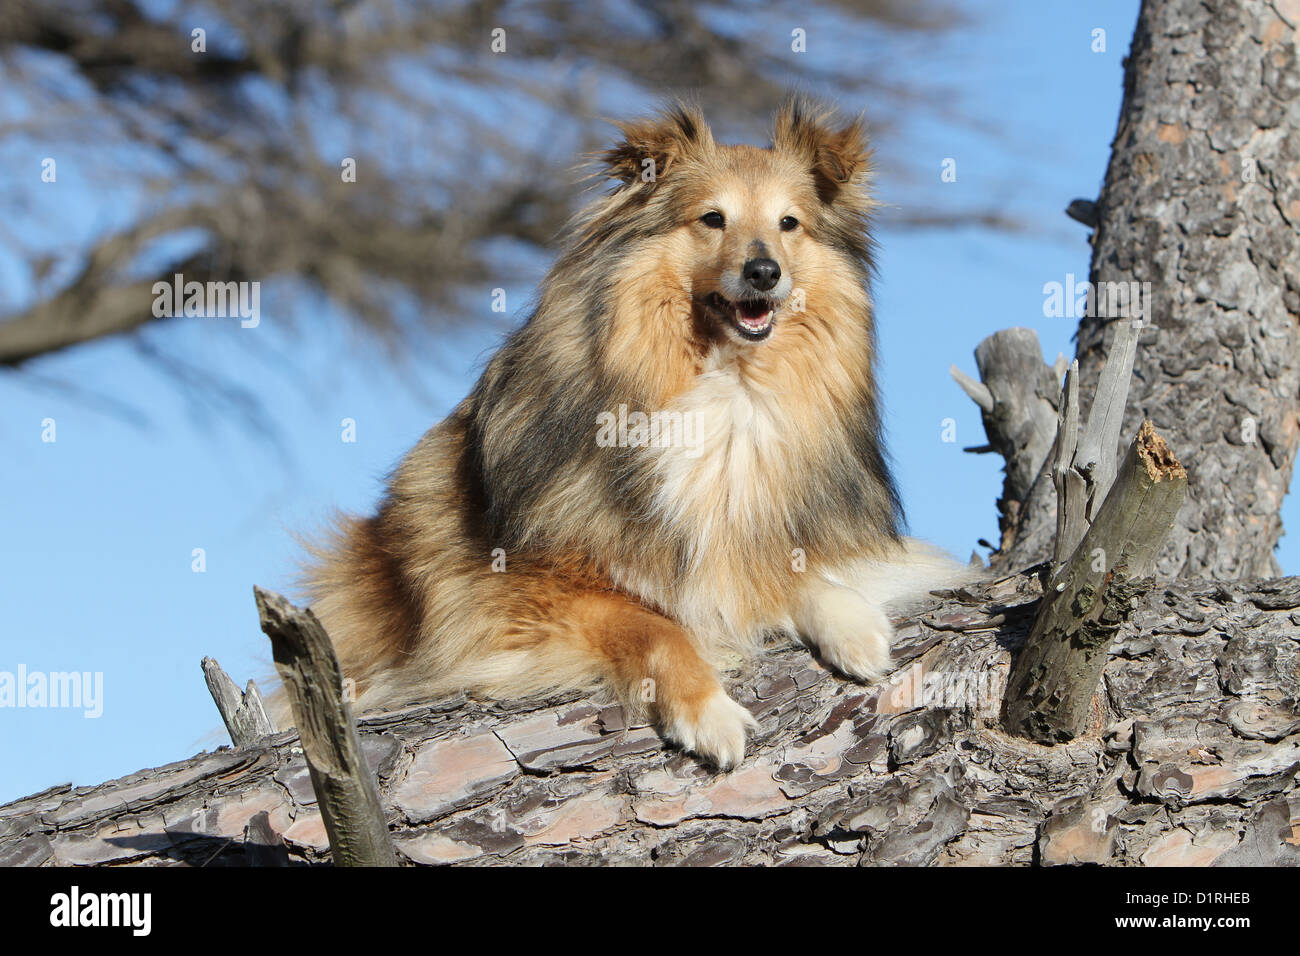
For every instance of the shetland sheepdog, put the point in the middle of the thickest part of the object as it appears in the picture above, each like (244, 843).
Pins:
(677, 454)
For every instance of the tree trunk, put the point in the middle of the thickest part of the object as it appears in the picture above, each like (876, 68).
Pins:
(1202, 201)
(1193, 760)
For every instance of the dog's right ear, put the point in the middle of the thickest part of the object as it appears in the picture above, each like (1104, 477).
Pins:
(651, 147)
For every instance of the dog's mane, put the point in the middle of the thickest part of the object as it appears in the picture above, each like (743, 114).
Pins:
(531, 419)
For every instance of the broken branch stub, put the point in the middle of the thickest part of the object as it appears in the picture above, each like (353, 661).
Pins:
(1017, 398)
(244, 713)
(1049, 692)
(1022, 422)
(1097, 453)
(345, 788)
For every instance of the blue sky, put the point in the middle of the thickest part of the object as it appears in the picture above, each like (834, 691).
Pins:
(98, 528)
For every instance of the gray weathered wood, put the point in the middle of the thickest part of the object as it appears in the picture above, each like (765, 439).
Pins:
(244, 713)
(1069, 483)
(1083, 466)
(1017, 397)
(1050, 690)
(344, 786)
(1024, 390)
(977, 391)
(1096, 456)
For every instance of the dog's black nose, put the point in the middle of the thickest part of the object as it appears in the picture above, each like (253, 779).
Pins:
(762, 274)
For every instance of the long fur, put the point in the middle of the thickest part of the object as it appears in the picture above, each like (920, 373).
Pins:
(516, 553)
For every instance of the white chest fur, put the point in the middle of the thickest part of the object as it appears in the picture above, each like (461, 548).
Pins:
(720, 477)
(721, 482)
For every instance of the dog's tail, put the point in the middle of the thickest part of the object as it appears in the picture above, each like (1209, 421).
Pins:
(351, 581)
(902, 577)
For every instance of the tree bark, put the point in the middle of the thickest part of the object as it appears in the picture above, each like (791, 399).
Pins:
(1202, 201)
(1194, 762)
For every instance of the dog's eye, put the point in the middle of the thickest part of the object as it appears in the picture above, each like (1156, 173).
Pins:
(788, 223)
(713, 220)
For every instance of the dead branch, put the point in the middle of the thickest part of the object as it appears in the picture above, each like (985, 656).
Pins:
(1049, 694)
(344, 786)
(1095, 456)
(244, 713)
(246, 110)
(1018, 398)
(1108, 534)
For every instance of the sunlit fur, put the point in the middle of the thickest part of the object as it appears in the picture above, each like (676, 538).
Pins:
(643, 568)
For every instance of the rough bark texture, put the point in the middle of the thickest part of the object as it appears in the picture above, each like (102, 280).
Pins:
(1202, 200)
(1193, 760)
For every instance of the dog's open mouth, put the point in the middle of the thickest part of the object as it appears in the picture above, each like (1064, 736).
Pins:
(751, 318)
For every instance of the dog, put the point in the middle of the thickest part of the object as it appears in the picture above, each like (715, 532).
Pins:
(677, 454)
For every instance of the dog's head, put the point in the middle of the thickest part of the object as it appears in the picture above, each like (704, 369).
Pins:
(750, 230)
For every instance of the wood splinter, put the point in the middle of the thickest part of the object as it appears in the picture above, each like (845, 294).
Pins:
(244, 712)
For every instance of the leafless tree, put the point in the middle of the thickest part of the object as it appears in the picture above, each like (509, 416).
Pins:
(221, 153)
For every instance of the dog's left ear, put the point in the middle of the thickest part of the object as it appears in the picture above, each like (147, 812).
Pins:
(651, 147)
(838, 158)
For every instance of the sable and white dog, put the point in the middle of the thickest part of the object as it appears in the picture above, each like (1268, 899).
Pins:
(722, 287)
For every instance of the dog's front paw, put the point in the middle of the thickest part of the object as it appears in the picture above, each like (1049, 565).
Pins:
(714, 729)
(852, 634)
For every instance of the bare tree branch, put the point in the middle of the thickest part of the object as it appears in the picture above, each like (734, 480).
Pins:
(241, 144)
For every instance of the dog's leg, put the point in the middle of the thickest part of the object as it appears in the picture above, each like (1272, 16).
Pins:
(842, 612)
(852, 633)
(653, 666)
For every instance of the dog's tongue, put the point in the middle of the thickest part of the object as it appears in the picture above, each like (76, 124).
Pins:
(752, 309)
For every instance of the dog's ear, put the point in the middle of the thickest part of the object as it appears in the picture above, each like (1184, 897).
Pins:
(651, 147)
(837, 157)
